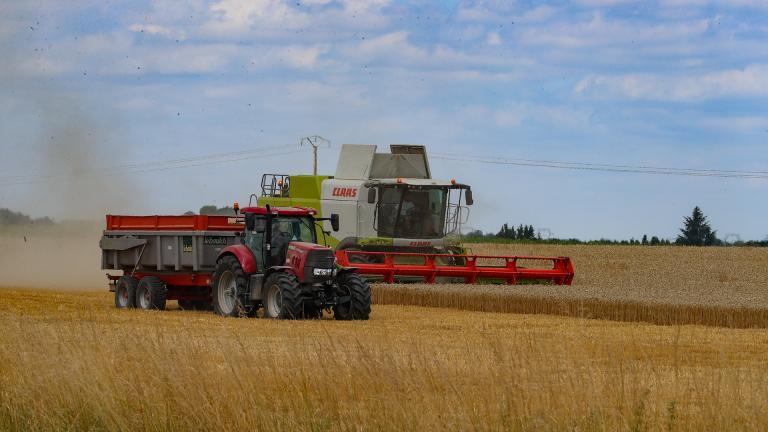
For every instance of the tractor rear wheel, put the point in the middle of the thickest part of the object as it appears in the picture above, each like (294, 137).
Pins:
(357, 290)
(150, 293)
(125, 292)
(282, 297)
(230, 285)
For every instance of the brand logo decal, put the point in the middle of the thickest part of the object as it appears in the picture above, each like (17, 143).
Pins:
(215, 241)
(344, 192)
(420, 243)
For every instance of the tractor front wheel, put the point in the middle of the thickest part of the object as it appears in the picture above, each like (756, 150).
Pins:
(357, 295)
(282, 297)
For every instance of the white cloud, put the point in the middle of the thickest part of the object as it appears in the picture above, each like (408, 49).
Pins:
(746, 124)
(752, 81)
(237, 17)
(598, 31)
(537, 14)
(158, 30)
(507, 118)
(514, 115)
(485, 10)
(392, 46)
(757, 4)
(493, 38)
(606, 3)
(395, 48)
(294, 56)
(274, 18)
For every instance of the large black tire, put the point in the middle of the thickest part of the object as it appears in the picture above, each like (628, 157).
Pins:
(125, 292)
(281, 297)
(230, 289)
(150, 293)
(359, 292)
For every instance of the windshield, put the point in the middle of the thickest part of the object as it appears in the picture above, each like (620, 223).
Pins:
(284, 230)
(411, 212)
(293, 229)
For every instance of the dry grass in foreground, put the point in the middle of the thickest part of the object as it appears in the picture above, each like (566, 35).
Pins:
(70, 361)
(663, 285)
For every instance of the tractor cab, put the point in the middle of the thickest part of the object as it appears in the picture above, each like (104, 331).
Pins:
(270, 232)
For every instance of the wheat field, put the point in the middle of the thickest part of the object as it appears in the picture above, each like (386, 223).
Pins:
(664, 285)
(70, 361)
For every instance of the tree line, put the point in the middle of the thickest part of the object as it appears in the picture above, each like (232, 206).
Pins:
(9, 217)
(696, 231)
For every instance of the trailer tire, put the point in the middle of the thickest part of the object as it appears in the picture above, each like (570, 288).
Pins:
(230, 284)
(125, 292)
(359, 305)
(282, 297)
(150, 293)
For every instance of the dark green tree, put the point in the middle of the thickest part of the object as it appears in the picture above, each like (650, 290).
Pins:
(645, 240)
(212, 210)
(506, 232)
(696, 230)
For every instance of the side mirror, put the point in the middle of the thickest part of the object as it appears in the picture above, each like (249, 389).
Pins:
(250, 220)
(335, 221)
(468, 197)
(372, 195)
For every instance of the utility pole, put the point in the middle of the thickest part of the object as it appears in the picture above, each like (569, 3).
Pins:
(314, 141)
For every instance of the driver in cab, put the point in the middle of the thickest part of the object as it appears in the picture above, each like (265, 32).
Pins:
(283, 233)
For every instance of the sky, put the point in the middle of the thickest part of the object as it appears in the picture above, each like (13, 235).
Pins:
(164, 106)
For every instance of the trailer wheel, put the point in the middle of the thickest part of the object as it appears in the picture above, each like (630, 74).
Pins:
(282, 296)
(229, 287)
(359, 292)
(125, 292)
(150, 293)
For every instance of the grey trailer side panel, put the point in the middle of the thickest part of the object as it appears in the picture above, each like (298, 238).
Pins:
(163, 251)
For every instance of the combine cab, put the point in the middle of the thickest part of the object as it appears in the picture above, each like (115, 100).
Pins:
(397, 221)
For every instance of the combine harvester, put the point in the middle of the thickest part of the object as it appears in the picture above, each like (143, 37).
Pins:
(398, 222)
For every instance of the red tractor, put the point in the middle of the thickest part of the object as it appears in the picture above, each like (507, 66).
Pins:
(265, 258)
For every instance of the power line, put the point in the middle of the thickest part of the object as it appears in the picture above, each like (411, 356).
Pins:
(638, 169)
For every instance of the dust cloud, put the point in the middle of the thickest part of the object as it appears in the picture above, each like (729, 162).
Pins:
(63, 256)
(66, 144)
(71, 184)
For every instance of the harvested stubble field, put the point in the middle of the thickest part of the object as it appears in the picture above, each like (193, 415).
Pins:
(70, 361)
(664, 285)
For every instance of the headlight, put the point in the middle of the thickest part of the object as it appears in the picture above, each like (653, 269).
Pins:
(322, 272)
